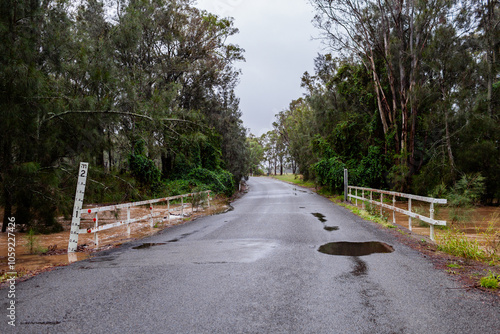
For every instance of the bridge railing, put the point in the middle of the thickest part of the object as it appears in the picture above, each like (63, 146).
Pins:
(380, 202)
(151, 216)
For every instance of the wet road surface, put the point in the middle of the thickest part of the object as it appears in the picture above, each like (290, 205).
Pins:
(284, 260)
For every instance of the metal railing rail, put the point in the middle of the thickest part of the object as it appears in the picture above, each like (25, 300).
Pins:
(430, 220)
(96, 229)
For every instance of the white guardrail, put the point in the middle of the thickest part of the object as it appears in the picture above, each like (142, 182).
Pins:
(395, 209)
(151, 216)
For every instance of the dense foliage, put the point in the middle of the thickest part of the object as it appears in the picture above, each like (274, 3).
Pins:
(143, 90)
(408, 99)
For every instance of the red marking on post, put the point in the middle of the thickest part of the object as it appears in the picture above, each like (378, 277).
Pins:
(89, 230)
(150, 208)
(94, 220)
(89, 211)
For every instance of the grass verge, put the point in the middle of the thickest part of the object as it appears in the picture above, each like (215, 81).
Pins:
(295, 179)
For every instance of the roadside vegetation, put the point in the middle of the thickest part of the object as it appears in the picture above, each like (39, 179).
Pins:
(399, 110)
(141, 90)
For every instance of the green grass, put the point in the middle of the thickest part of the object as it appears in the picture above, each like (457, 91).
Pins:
(33, 243)
(367, 215)
(456, 243)
(491, 281)
(295, 179)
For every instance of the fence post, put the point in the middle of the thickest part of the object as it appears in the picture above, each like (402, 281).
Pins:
(432, 218)
(96, 225)
(208, 198)
(128, 220)
(409, 218)
(394, 211)
(363, 201)
(381, 202)
(346, 183)
(182, 206)
(152, 217)
(168, 209)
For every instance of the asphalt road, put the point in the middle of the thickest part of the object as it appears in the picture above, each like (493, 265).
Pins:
(255, 269)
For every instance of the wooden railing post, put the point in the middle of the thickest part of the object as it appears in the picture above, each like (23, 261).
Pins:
(346, 184)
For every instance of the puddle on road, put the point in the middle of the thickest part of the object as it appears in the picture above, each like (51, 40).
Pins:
(148, 245)
(101, 259)
(345, 248)
(320, 216)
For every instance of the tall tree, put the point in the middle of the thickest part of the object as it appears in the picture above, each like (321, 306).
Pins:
(389, 38)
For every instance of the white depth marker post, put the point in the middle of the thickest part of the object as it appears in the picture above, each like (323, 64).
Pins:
(77, 208)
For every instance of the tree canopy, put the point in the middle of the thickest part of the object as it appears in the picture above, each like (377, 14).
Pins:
(143, 91)
(408, 97)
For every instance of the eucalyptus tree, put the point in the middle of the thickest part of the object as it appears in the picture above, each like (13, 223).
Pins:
(390, 39)
(256, 153)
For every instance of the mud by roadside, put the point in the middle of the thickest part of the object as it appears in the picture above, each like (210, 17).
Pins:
(52, 248)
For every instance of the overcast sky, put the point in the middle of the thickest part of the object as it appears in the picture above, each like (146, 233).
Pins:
(276, 36)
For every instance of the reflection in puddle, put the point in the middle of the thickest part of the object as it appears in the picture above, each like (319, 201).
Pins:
(331, 228)
(320, 216)
(148, 245)
(360, 269)
(355, 248)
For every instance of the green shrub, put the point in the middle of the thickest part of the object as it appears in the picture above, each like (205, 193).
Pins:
(177, 187)
(467, 191)
(33, 243)
(371, 168)
(491, 281)
(143, 168)
(330, 173)
(220, 181)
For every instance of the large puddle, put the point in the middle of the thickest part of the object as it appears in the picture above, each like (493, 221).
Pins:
(345, 248)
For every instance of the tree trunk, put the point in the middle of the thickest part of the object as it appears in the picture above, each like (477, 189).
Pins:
(490, 52)
(166, 165)
(448, 146)
(7, 211)
(110, 155)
